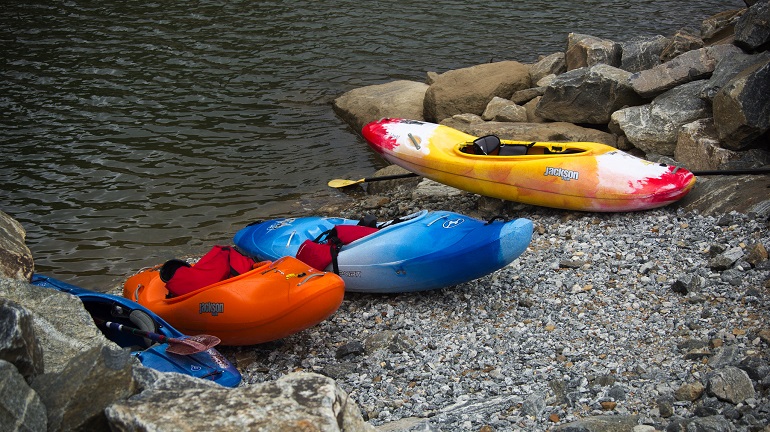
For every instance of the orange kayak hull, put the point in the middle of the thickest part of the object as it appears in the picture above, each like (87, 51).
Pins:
(270, 302)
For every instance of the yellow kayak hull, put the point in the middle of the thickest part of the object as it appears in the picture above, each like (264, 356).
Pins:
(583, 176)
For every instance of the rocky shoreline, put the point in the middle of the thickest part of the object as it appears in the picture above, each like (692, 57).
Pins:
(642, 321)
(607, 322)
(655, 320)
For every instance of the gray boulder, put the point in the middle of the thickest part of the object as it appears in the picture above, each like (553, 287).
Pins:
(20, 407)
(381, 187)
(15, 258)
(731, 384)
(720, 26)
(75, 397)
(499, 109)
(534, 405)
(690, 66)
(531, 108)
(711, 423)
(586, 51)
(603, 423)
(688, 283)
(726, 259)
(742, 107)
(698, 146)
(654, 128)
(523, 96)
(402, 99)
(722, 194)
(18, 342)
(469, 90)
(546, 80)
(727, 355)
(555, 63)
(297, 401)
(62, 325)
(642, 53)
(587, 95)
(752, 30)
(683, 41)
(734, 62)
(461, 121)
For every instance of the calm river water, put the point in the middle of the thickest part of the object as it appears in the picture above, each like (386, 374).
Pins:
(137, 131)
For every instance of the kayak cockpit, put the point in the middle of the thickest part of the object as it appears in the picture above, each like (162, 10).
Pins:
(491, 145)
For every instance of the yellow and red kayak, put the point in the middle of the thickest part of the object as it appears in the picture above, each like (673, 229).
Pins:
(272, 301)
(583, 176)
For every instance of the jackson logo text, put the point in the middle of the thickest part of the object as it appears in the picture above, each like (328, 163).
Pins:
(213, 308)
(565, 174)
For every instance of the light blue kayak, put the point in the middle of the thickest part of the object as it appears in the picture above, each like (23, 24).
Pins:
(423, 251)
(209, 364)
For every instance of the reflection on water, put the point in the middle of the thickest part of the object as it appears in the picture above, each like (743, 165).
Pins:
(136, 132)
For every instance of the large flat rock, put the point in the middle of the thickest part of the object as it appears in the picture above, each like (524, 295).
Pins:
(723, 194)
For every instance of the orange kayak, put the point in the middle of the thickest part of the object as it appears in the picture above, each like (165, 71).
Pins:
(272, 301)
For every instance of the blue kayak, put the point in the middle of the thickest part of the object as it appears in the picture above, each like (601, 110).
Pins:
(422, 251)
(209, 364)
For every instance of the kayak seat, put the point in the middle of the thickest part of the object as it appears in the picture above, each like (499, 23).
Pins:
(170, 267)
(491, 145)
(143, 321)
(487, 145)
(368, 220)
(513, 150)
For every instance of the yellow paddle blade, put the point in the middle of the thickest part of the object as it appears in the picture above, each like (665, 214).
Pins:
(339, 183)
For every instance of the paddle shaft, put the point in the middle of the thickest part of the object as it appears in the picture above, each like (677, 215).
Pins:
(390, 177)
(125, 329)
(187, 346)
(752, 171)
(340, 183)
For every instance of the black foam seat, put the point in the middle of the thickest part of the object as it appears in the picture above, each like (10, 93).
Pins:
(170, 267)
(513, 150)
(143, 321)
(488, 144)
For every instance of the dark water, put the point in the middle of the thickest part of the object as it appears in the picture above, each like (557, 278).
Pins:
(133, 132)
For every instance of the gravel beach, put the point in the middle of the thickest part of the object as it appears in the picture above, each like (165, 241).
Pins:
(627, 316)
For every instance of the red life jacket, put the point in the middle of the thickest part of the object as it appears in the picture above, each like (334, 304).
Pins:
(220, 263)
(322, 251)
